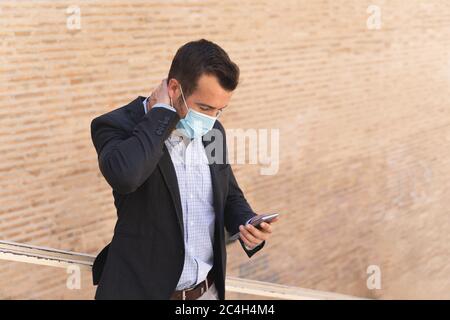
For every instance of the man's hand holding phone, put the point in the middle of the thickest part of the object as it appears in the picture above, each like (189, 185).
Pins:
(254, 235)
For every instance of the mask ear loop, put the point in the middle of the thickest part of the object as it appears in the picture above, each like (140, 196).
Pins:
(185, 105)
(184, 100)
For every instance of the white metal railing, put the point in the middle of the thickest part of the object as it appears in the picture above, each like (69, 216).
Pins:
(20, 252)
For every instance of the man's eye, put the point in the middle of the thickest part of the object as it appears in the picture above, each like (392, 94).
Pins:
(205, 108)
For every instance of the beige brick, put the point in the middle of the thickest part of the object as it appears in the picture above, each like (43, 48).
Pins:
(364, 133)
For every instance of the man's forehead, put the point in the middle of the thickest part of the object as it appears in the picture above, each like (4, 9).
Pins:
(210, 93)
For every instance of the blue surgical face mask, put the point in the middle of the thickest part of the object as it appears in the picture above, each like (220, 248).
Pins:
(195, 124)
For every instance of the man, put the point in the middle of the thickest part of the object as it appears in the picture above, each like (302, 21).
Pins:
(173, 202)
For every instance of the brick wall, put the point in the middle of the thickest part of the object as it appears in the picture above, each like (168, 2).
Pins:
(364, 132)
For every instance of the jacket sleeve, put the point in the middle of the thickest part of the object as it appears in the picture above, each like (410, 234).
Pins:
(127, 160)
(238, 211)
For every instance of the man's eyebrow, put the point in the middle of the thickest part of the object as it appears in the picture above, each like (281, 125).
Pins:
(207, 105)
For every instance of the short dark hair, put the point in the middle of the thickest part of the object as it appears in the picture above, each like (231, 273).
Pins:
(200, 57)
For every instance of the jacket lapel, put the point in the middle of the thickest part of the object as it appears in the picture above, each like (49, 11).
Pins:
(170, 177)
(215, 176)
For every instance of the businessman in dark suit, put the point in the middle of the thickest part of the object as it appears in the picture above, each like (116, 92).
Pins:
(174, 196)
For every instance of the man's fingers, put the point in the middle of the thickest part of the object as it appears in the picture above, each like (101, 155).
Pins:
(250, 236)
(247, 236)
(161, 93)
(247, 241)
(257, 233)
(253, 236)
(164, 87)
(164, 83)
(266, 227)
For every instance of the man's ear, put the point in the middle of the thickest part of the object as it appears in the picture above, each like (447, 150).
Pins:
(173, 89)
